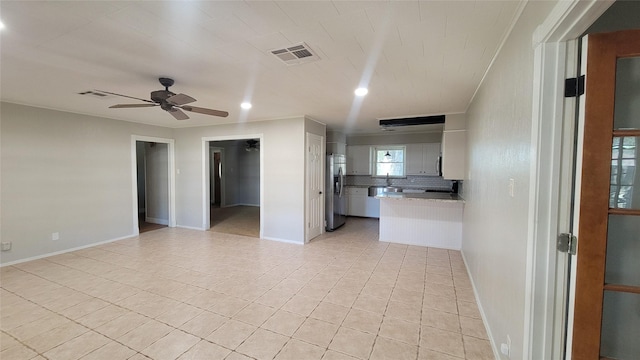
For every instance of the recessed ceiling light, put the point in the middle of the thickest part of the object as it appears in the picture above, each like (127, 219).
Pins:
(246, 105)
(1, 25)
(361, 91)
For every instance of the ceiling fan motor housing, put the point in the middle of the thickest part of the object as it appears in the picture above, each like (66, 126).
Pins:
(159, 96)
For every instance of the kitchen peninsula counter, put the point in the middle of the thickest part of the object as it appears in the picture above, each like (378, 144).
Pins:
(426, 219)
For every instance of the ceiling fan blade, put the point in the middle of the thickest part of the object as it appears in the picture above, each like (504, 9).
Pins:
(178, 114)
(180, 99)
(205, 111)
(124, 106)
(127, 96)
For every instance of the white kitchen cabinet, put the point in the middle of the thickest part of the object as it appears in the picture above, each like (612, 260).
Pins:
(358, 160)
(454, 147)
(422, 159)
(359, 203)
(373, 207)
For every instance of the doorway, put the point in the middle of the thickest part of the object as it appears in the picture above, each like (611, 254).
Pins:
(234, 186)
(153, 183)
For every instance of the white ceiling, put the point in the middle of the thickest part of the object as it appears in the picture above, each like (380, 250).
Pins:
(416, 57)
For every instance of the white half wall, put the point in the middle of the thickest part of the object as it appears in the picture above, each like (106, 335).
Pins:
(65, 173)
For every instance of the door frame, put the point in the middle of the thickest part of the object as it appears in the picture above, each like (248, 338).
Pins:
(206, 177)
(171, 177)
(545, 280)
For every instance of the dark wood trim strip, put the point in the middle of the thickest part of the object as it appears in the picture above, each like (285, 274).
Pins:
(623, 288)
(627, 133)
(617, 211)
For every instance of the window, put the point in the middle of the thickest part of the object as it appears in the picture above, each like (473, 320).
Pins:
(623, 172)
(389, 161)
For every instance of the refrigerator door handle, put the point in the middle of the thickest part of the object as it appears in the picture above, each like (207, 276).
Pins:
(341, 180)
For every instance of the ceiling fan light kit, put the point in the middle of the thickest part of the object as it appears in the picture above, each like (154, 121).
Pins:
(169, 101)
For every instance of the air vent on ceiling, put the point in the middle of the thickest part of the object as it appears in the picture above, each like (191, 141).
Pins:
(296, 54)
(95, 94)
(412, 121)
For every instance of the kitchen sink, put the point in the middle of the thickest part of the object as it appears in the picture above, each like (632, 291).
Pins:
(392, 189)
(378, 190)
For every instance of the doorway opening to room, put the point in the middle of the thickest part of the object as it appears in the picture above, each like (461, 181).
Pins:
(152, 174)
(234, 186)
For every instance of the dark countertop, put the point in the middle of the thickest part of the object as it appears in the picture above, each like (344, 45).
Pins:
(429, 196)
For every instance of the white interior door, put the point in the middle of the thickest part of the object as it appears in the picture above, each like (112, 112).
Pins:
(315, 186)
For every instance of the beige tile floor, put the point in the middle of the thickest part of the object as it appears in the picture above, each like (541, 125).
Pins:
(186, 294)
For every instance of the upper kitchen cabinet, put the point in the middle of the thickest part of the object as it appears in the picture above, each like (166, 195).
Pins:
(454, 148)
(358, 160)
(422, 159)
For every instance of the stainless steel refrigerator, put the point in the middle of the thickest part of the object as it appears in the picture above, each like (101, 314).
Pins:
(335, 199)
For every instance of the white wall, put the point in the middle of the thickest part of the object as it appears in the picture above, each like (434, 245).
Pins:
(65, 173)
(248, 168)
(499, 144)
(282, 149)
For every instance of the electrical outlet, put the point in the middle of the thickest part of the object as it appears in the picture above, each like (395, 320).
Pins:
(505, 348)
(5, 246)
(55, 236)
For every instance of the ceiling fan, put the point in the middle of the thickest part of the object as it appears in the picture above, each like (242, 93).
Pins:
(169, 102)
(252, 145)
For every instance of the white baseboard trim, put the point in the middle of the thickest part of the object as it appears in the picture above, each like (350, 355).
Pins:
(241, 204)
(282, 240)
(66, 250)
(156, 221)
(190, 227)
(496, 352)
(403, 242)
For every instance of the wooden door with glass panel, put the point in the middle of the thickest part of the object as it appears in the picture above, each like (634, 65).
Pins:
(607, 306)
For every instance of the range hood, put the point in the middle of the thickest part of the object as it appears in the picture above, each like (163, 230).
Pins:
(412, 121)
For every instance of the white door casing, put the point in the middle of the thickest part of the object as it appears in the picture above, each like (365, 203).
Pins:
(314, 162)
(544, 313)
